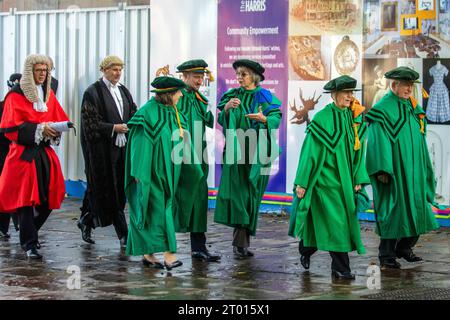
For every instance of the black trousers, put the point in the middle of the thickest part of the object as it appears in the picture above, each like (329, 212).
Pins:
(4, 222)
(339, 260)
(119, 222)
(390, 248)
(118, 218)
(198, 241)
(5, 218)
(241, 237)
(30, 225)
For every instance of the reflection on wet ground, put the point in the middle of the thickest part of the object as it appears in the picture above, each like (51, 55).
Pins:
(274, 273)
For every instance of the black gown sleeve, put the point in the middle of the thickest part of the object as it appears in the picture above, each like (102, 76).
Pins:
(26, 134)
(94, 125)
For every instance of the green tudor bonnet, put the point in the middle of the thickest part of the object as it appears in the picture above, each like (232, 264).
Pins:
(253, 65)
(342, 83)
(167, 84)
(196, 66)
(403, 73)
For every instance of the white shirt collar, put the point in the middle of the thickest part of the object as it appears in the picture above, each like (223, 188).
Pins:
(109, 85)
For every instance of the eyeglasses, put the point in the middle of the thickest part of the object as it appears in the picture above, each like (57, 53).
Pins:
(40, 70)
(242, 74)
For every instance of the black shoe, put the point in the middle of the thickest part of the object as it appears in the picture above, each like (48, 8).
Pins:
(4, 235)
(170, 266)
(390, 264)
(33, 254)
(156, 265)
(242, 252)
(205, 256)
(85, 232)
(342, 275)
(305, 260)
(410, 257)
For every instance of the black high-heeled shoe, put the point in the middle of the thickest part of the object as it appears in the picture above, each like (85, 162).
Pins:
(155, 265)
(342, 275)
(170, 266)
(305, 261)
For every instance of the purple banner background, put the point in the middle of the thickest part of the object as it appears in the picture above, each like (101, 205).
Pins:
(272, 49)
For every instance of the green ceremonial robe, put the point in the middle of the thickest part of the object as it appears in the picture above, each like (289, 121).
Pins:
(243, 183)
(329, 169)
(194, 109)
(151, 178)
(396, 146)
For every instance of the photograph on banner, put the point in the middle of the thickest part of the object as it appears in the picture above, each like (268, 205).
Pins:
(371, 23)
(408, 6)
(309, 58)
(346, 55)
(411, 23)
(428, 26)
(416, 65)
(444, 6)
(306, 98)
(375, 85)
(389, 16)
(444, 27)
(404, 31)
(313, 17)
(426, 5)
(436, 81)
(414, 46)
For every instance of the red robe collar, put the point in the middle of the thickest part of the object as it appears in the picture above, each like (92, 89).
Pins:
(18, 110)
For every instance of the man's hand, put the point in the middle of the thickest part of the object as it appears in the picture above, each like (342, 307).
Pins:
(383, 178)
(232, 104)
(257, 116)
(49, 132)
(357, 188)
(300, 192)
(120, 128)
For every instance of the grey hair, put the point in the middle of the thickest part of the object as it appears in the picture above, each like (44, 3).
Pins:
(333, 95)
(391, 83)
(256, 79)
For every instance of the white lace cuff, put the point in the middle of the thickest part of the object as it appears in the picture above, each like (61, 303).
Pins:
(38, 135)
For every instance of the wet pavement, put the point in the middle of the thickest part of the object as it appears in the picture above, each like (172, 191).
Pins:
(274, 272)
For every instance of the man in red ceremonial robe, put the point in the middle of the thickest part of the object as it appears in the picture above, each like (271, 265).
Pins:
(31, 183)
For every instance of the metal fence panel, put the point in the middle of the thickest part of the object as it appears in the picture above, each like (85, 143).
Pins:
(77, 40)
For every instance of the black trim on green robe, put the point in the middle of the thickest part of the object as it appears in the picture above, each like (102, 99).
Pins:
(397, 147)
(193, 106)
(152, 176)
(242, 185)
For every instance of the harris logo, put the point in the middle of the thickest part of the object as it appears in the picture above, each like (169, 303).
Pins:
(253, 5)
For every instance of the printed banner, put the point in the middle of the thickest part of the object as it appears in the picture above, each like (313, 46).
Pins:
(255, 30)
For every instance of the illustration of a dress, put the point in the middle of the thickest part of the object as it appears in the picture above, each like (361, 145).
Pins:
(438, 109)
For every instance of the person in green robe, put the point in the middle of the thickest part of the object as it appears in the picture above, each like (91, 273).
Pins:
(400, 170)
(250, 117)
(152, 172)
(193, 105)
(330, 178)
